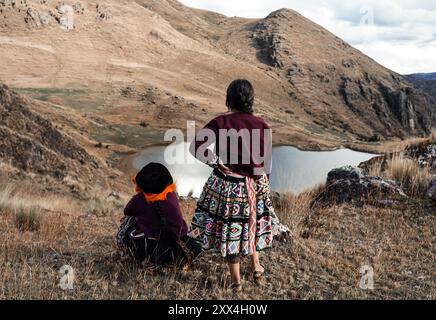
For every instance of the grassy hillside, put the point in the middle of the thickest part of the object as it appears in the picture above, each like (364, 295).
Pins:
(328, 247)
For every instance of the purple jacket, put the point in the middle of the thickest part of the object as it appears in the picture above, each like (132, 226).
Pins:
(240, 121)
(149, 220)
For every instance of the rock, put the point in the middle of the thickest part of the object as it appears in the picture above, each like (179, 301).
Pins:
(424, 154)
(431, 193)
(7, 3)
(78, 8)
(114, 194)
(347, 172)
(348, 63)
(270, 42)
(280, 232)
(294, 70)
(66, 20)
(36, 19)
(349, 185)
(104, 12)
(127, 92)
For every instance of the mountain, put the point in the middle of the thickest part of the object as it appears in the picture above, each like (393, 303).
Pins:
(37, 150)
(160, 63)
(422, 76)
(425, 81)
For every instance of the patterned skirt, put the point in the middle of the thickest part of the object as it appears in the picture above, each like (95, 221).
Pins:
(234, 215)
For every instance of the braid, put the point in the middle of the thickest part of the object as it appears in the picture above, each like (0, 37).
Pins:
(240, 96)
(165, 232)
(158, 208)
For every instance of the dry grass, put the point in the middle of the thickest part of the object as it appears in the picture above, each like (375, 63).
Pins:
(322, 261)
(28, 219)
(417, 142)
(413, 178)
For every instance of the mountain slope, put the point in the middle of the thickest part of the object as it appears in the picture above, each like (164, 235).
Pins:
(424, 81)
(316, 90)
(35, 151)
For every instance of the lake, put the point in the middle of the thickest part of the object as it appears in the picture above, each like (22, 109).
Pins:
(293, 170)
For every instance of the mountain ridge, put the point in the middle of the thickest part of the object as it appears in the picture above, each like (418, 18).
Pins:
(424, 81)
(315, 89)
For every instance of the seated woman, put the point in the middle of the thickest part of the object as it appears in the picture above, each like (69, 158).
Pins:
(153, 230)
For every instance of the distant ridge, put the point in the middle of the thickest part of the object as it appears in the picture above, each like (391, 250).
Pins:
(315, 89)
(425, 81)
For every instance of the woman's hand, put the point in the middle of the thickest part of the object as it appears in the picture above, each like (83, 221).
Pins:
(224, 169)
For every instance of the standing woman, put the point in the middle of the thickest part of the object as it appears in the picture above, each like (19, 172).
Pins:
(234, 213)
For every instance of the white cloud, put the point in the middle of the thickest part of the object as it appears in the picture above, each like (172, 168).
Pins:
(400, 34)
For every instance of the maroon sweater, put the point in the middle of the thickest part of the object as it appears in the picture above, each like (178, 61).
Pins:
(238, 121)
(149, 220)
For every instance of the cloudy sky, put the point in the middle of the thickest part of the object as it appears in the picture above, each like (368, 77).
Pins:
(400, 34)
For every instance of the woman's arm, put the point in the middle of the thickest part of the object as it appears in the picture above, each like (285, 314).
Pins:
(174, 218)
(200, 146)
(131, 208)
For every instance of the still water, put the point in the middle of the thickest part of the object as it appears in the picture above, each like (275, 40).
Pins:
(293, 170)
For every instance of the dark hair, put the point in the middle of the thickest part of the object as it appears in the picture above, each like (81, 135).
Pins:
(240, 96)
(153, 178)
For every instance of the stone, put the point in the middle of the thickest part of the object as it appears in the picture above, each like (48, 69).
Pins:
(349, 185)
(425, 155)
(104, 12)
(78, 8)
(36, 19)
(280, 232)
(66, 21)
(347, 172)
(431, 193)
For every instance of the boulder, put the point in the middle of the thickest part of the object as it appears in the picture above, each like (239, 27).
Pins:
(350, 185)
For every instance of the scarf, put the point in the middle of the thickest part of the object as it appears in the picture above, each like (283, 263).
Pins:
(151, 197)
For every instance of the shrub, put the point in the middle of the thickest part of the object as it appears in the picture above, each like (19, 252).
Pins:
(28, 218)
(414, 179)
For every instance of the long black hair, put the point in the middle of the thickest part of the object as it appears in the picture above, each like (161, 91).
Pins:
(240, 96)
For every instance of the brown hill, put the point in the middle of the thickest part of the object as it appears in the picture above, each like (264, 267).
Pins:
(315, 89)
(36, 152)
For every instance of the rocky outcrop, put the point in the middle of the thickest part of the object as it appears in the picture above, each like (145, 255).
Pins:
(349, 185)
(324, 71)
(272, 45)
(404, 109)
